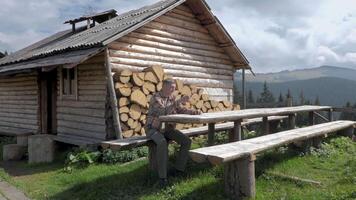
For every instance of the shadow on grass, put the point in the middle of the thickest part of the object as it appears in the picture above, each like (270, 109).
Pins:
(125, 184)
(22, 168)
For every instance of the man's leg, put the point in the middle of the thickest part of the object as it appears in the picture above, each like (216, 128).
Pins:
(184, 143)
(161, 153)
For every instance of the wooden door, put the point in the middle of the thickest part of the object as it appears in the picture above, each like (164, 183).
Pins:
(48, 102)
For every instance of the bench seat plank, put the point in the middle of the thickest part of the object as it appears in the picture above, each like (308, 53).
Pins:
(232, 151)
(138, 141)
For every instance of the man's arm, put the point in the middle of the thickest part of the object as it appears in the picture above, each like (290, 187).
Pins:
(183, 110)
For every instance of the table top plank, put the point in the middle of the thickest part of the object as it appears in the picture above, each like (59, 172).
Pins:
(231, 151)
(239, 114)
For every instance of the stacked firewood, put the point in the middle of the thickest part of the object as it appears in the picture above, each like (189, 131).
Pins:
(135, 89)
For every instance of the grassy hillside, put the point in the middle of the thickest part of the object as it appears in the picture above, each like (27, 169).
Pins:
(331, 91)
(333, 165)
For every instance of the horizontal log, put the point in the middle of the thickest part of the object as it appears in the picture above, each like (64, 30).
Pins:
(176, 42)
(93, 82)
(190, 64)
(19, 102)
(92, 87)
(207, 82)
(24, 88)
(89, 67)
(182, 24)
(137, 66)
(166, 53)
(19, 84)
(19, 125)
(180, 49)
(81, 104)
(91, 73)
(162, 33)
(22, 116)
(81, 119)
(178, 30)
(92, 92)
(19, 120)
(92, 98)
(92, 78)
(82, 126)
(82, 111)
(80, 133)
(15, 79)
(180, 16)
(19, 93)
(15, 130)
(19, 106)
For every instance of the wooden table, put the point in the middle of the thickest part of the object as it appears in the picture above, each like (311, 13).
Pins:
(237, 116)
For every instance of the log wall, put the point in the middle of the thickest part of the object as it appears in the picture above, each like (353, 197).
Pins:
(183, 47)
(19, 103)
(85, 117)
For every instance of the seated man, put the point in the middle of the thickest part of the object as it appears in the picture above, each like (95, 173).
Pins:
(165, 103)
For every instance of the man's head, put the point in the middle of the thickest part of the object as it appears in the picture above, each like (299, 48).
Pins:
(168, 87)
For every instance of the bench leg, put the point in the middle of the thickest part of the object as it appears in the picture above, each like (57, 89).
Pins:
(235, 133)
(239, 177)
(152, 158)
(349, 132)
(317, 141)
(211, 134)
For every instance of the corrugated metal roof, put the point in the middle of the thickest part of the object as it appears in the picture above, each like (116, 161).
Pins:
(93, 37)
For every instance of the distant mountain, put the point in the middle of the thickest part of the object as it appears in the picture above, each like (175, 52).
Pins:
(303, 74)
(333, 85)
(330, 90)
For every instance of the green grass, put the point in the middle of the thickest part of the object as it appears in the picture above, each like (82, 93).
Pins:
(334, 166)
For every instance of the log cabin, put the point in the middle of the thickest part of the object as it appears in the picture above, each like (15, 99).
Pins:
(63, 84)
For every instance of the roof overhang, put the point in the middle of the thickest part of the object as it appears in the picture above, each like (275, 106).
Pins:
(67, 59)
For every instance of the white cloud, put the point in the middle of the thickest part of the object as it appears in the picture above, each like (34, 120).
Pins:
(274, 35)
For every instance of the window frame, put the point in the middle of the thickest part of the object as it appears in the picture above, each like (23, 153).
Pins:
(74, 89)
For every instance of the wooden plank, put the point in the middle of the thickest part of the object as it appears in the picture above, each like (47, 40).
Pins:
(81, 104)
(81, 133)
(19, 111)
(82, 126)
(241, 114)
(81, 119)
(30, 127)
(233, 151)
(19, 120)
(82, 111)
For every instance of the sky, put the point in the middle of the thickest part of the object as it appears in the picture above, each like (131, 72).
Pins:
(274, 35)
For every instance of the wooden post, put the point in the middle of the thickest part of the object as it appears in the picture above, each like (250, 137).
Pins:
(113, 99)
(265, 126)
(311, 118)
(239, 178)
(291, 121)
(349, 132)
(330, 115)
(273, 126)
(243, 89)
(211, 134)
(152, 150)
(235, 134)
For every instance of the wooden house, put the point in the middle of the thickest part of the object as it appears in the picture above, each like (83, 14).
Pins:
(63, 84)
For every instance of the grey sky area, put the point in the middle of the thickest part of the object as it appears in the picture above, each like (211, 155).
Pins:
(274, 35)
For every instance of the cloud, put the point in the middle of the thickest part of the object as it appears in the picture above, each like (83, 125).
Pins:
(274, 35)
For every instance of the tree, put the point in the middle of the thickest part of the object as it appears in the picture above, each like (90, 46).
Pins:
(266, 95)
(348, 115)
(280, 98)
(317, 102)
(301, 96)
(250, 98)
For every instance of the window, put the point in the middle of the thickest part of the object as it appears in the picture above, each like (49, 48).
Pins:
(69, 82)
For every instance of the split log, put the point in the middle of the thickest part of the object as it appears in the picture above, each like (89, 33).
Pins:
(125, 76)
(214, 103)
(159, 86)
(179, 85)
(150, 87)
(207, 105)
(205, 97)
(221, 106)
(199, 104)
(227, 104)
(185, 91)
(124, 109)
(157, 70)
(124, 117)
(128, 133)
(123, 101)
(151, 77)
(124, 89)
(135, 111)
(139, 98)
(143, 132)
(138, 79)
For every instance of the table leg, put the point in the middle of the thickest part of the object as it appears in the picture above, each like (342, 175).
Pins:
(211, 134)
(235, 134)
(330, 115)
(311, 118)
(291, 120)
(265, 126)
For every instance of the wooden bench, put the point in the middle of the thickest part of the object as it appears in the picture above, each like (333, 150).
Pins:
(192, 132)
(238, 157)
